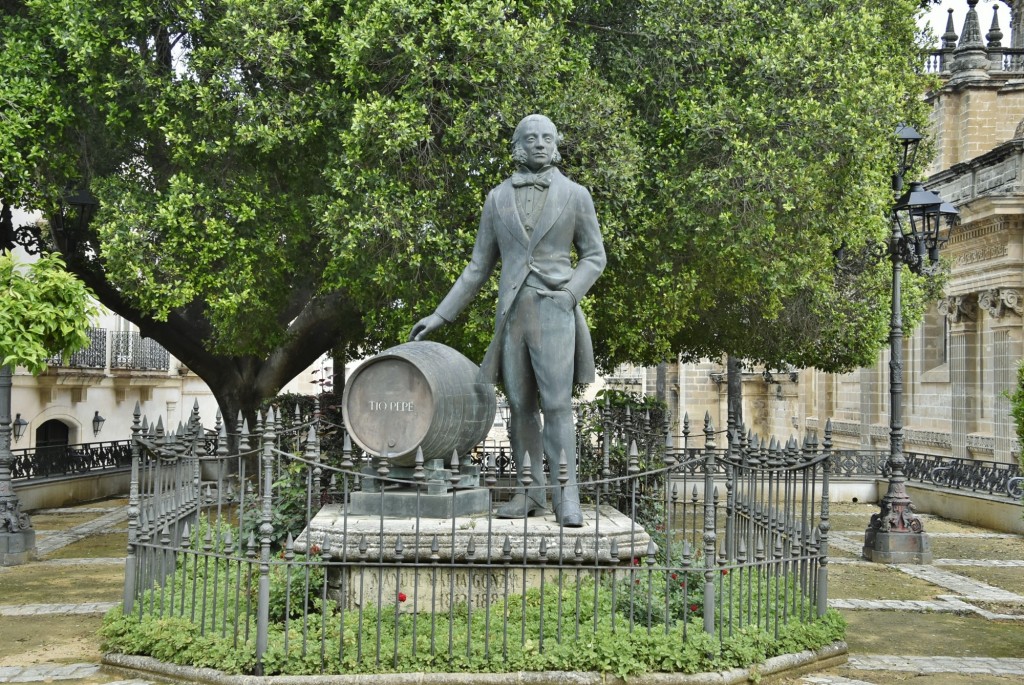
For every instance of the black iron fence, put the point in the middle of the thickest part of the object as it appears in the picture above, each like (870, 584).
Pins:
(57, 461)
(292, 564)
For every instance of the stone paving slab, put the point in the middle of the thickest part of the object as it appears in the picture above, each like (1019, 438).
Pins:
(984, 613)
(57, 609)
(896, 605)
(967, 588)
(76, 510)
(978, 536)
(47, 672)
(83, 561)
(937, 664)
(831, 680)
(54, 542)
(998, 563)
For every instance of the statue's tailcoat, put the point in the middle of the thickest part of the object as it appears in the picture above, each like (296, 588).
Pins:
(568, 219)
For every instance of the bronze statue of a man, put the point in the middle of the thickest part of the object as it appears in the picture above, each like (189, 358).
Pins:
(541, 342)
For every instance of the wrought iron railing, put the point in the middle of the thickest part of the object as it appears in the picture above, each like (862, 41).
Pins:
(57, 461)
(973, 475)
(129, 350)
(230, 544)
(93, 356)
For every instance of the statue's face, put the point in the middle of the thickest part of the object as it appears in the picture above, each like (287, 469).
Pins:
(539, 139)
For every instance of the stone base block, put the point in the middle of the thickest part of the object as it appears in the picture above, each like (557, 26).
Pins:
(897, 548)
(409, 504)
(434, 563)
(17, 548)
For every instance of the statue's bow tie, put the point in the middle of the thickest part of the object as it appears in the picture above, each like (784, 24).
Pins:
(538, 181)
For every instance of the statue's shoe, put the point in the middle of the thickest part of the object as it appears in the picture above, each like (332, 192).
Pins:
(569, 515)
(521, 506)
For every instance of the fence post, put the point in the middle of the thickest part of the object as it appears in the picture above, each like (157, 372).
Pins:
(266, 531)
(823, 527)
(709, 525)
(128, 600)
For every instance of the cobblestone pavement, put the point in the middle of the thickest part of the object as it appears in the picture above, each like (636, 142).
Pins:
(963, 591)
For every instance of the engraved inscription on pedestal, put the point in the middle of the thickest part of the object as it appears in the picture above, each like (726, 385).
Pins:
(429, 589)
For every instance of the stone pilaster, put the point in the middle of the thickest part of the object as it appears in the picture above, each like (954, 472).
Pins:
(961, 310)
(1004, 307)
(868, 405)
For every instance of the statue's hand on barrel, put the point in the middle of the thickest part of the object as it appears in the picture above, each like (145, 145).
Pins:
(425, 326)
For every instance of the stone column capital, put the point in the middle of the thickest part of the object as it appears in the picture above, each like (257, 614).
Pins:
(959, 308)
(1000, 301)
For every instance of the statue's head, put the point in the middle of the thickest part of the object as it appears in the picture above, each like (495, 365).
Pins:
(535, 142)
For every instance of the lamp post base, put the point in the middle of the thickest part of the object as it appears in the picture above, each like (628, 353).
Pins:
(906, 547)
(17, 548)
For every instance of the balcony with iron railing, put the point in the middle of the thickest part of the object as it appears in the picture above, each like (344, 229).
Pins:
(129, 351)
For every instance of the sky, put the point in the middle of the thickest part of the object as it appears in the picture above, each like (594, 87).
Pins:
(937, 15)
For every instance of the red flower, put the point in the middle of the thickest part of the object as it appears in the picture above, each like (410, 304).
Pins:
(725, 571)
(694, 607)
(636, 561)
(402, 597)
(637, 581)
(674, 576)
(314, 549)
(683, 585)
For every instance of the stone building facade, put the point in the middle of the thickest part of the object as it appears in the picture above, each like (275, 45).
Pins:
(960, 364)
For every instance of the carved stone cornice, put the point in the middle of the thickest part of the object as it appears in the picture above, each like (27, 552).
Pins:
(999, 301)
(982, 253)
(959, 308)
(981, 228)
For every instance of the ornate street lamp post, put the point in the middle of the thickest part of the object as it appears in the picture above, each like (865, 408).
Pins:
(17, 537)
(920, 223)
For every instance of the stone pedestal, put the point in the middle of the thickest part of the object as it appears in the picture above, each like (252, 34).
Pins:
(897, 547)
(429, 564)
(400, 496)
(17, 548)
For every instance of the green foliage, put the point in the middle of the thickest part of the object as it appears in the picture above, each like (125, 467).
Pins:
(176, 640)
(290, 508)
(609, 409)
(45, 310)
(279, 178)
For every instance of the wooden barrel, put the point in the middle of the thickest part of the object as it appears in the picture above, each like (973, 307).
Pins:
(419, 394)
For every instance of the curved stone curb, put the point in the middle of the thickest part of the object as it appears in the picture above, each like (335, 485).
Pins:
(826, 657)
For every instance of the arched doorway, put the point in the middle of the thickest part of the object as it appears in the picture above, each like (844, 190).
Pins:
(51, 447)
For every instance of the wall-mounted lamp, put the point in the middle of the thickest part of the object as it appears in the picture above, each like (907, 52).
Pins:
(20, 425)
(97, 424)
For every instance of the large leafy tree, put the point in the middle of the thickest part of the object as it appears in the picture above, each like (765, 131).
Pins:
(279, 178)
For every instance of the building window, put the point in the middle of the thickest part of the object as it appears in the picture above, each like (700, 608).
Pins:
(935, 335)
